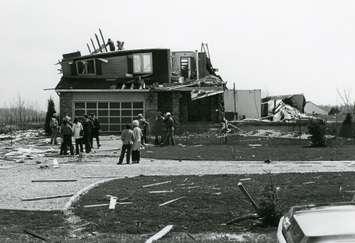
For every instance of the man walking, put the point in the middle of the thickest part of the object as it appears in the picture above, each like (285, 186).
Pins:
(127, 141)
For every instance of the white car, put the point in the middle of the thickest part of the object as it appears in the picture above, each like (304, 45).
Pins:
(321, 223)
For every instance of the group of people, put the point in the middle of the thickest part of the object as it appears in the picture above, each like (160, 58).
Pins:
(133, 139)
(83, 131)
(134, 136)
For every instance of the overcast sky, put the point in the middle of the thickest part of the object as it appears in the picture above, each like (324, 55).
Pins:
(280, 47)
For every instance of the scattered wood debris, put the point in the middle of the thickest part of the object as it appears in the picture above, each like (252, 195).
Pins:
(308, 182)
(113, 201)
(44, 198)
(160, 234)
(156, 184)
(157, 192)
(245, 179)
(192, 187)
(55, 180)
(35, 235)
(171, 201)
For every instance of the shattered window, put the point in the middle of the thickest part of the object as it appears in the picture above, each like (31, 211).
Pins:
(142, 63)
(90, 64)
(81, 67)
(86, 67)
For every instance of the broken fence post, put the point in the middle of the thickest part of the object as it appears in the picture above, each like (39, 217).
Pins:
(160, 234)
(156, 184)
(246, 193)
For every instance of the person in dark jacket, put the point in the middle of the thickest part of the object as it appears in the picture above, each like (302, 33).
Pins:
(110, 44)
(170, 129)
(127, 141)
(87, 128)
(95, 130)
(67, 133)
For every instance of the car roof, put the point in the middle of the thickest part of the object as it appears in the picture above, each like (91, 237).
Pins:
(326, 220)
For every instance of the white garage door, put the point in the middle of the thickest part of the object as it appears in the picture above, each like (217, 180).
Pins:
(113, 115)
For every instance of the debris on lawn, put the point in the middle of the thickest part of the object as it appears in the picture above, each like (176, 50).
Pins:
(96, 205)
(35, 235)
(267, 161)
(245, 179)
(160, 234)
(255, 145)
(156, 184)
(171, 201)
(246, 193)
(27, 153)
(157, 192)
(45, 198)
(308, 182)
(113, 201)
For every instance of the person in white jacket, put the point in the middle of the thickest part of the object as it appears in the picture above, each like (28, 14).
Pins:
(137, 142)
(78, 136)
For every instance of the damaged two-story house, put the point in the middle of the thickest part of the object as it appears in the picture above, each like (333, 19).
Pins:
(118, 85)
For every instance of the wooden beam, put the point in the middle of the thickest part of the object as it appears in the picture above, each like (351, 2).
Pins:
(160, 234)
(55, 180)
(103, 40)
(93, 45)
(171, 201)
(156, 184)
(98, 42)
(45, 198)
(35, 235)
(88, 47)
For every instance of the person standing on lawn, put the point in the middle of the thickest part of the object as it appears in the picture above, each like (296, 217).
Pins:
(67, 133)
(95, 130)
(143, 125)
(127, 141)
(157, 128)
(87, 128)
(78, 135)
(54, 125)
(170, 129)
(137, 142)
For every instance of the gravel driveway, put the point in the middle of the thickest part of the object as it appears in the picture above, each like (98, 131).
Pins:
(16, 179)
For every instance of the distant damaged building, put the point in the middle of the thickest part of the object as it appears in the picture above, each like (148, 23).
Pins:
(118, 85)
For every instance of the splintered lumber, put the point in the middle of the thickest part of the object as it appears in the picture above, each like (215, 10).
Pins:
(35, 235)
(171, 201)
(96, 205)
(97, 177)
(160, 234)
(246, 193)
(44, 198)
(105, 204)
(55, 180)
(242, 218)
(157, 192)
(156, 184)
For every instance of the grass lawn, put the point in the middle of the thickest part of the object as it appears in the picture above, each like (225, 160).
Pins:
(209, 201)
(255, 149)
(50, 225)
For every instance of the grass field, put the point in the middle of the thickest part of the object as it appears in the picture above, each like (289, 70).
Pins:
(255, 149)
(209, 201)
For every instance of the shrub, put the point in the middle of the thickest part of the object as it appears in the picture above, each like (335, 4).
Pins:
(49, 115)
(317, 130)
(346, 129)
